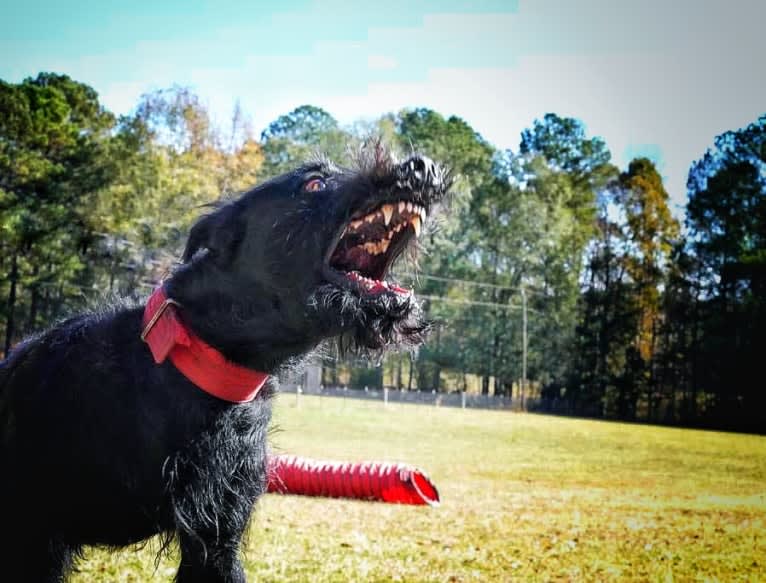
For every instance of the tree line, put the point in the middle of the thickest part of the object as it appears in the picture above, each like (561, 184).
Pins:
(630, 313)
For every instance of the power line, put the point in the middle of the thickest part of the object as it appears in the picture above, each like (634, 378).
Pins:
(475, 303)
(525, 309)
(416, 276)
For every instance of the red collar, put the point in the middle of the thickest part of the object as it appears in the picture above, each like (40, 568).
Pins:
(199, 362)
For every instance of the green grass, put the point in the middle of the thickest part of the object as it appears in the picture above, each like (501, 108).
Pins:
(524, 497)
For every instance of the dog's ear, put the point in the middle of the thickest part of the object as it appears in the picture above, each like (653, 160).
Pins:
(219, 233)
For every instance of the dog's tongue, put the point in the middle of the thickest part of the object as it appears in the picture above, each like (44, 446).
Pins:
(376, 286)
(357, 257)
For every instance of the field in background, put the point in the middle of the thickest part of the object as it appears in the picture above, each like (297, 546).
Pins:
(524, 497)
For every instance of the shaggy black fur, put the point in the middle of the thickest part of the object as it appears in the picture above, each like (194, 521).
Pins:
(100, 446)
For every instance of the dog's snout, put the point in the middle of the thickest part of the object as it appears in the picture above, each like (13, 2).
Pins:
(421, 172)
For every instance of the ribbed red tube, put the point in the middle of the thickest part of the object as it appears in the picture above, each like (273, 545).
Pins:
(383, 482)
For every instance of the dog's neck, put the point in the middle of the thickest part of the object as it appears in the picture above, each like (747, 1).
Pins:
(244, 325)
(168, 338)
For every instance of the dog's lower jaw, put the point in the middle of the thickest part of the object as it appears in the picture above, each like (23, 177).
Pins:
(364, 322)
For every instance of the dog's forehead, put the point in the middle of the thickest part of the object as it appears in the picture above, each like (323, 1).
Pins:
(322, 166)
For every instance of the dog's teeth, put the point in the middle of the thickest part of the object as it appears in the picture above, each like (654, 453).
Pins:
(409, 207)
(416, 225)
(356, 224)
(423, 214)
(373, 248)
(402, 206)
(369, 218)
(388, 212)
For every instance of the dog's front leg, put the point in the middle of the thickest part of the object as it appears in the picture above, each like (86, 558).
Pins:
(211, 561)
(211, 522)
(33, 558)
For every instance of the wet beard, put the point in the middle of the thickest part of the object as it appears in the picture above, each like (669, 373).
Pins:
(371, 322)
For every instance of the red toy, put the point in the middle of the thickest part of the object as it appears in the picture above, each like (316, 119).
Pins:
(383, 482)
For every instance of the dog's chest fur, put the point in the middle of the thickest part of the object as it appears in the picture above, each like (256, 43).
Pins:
(161, 455)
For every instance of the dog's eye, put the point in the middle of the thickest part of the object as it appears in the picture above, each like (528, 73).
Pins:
(315, 185)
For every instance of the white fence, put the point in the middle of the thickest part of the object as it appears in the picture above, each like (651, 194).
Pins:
(432, 398)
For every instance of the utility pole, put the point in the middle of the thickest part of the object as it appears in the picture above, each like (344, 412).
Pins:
(523, 347)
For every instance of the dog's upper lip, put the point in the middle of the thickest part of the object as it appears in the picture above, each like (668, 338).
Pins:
(399, 203)
(386, 210)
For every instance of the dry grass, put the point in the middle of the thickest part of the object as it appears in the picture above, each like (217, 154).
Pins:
(525, 498)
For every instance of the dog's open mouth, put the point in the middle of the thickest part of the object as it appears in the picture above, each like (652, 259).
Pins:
(370, 243)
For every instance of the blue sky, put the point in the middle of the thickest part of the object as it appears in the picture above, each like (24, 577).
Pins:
(655, 78)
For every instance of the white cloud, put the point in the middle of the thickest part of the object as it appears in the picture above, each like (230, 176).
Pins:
(627, 99)
(672, 74)
(381, 62)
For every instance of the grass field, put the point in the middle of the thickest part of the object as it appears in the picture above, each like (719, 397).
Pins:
(524, 497)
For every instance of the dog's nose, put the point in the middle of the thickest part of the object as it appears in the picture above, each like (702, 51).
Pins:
(421, 172)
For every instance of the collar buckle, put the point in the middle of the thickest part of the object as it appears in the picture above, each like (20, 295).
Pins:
(157, 315)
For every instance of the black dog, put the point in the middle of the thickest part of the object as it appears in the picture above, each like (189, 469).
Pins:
(101, 445)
